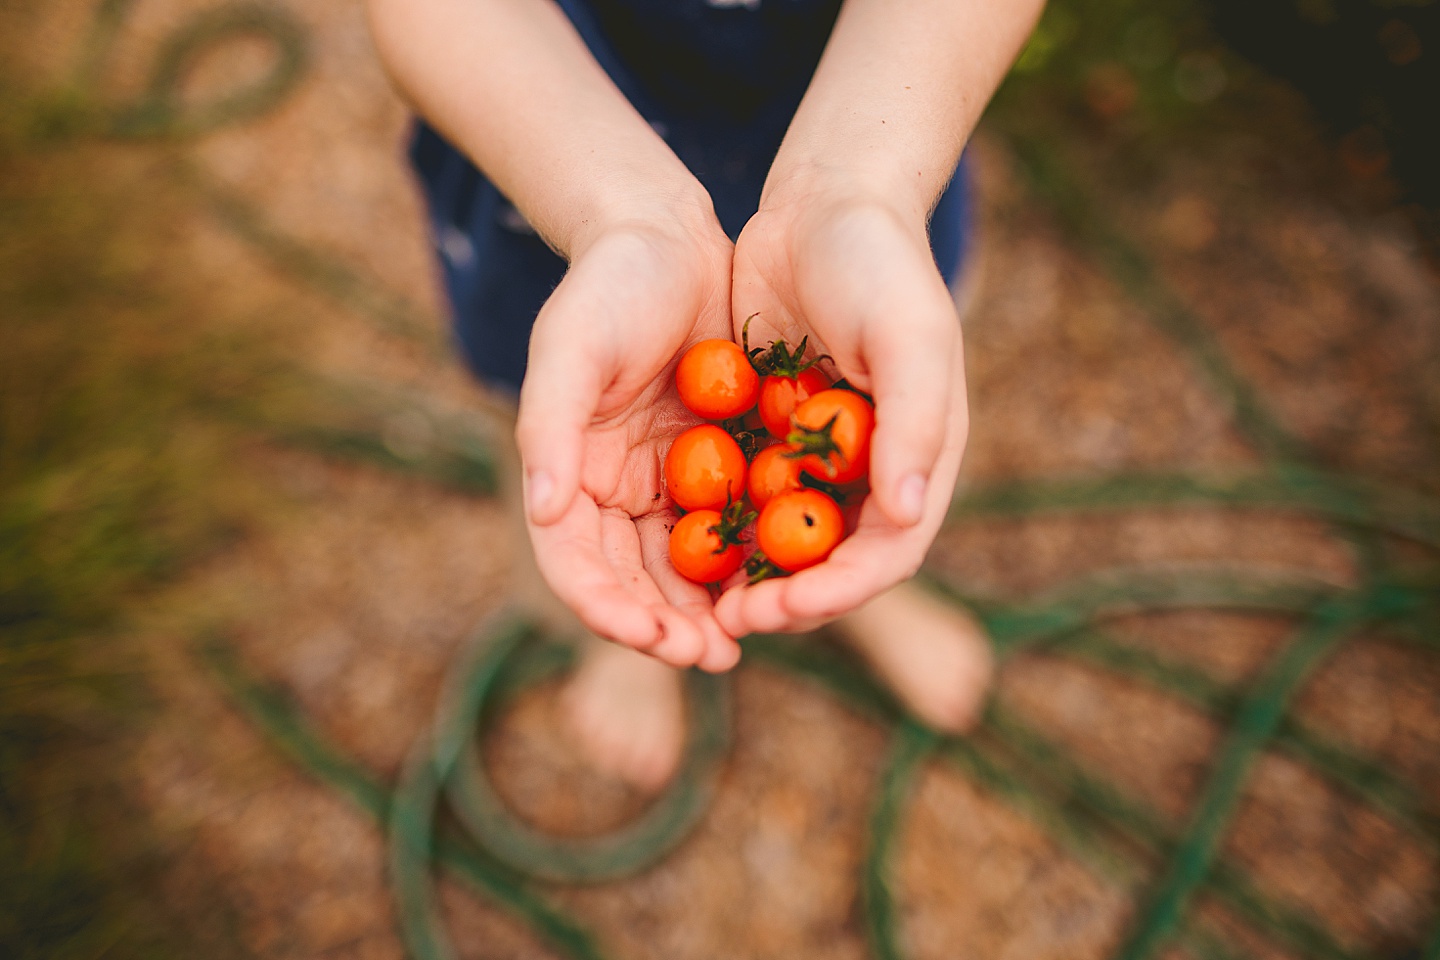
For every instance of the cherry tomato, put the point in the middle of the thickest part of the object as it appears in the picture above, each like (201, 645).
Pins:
(716, 380)
(834, 428)
(705, 469)
(772, 473)
(779, 396)
(699, 549)
(799, 529)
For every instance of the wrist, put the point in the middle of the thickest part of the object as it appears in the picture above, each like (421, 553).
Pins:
(823, 200)
(677, 208)
(822, 185)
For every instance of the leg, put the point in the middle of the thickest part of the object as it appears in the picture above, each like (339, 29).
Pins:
(934, 656)
(627, 712)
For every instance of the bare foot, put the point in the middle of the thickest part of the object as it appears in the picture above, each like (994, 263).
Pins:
(932, 654)
(627, 712)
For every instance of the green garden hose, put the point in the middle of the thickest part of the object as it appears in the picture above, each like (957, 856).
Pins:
(1163, 865)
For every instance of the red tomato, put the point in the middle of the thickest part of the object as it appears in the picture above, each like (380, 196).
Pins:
(834, 428)
(779, 396)
(799, 529)
(705, 469)
(716, 380)
(772, 473)
(699, 549)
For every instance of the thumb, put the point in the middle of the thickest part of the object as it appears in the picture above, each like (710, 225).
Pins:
(558, 401)
(914, 370)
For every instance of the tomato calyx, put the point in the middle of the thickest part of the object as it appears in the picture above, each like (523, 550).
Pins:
(748, 440)
(731, 528)
(760, 567)
(777, 360)
(820, 441)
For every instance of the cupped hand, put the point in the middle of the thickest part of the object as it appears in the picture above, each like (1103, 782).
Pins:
(598, 410)
(856, 275)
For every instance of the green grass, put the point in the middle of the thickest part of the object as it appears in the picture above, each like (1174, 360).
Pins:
(110, 484)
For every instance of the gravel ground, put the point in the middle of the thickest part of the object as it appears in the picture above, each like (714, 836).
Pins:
(362, 585)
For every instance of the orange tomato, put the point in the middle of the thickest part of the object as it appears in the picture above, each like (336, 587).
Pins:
(700, 550)
(798, 529)
(704, 469)
(772, 473)
(716, 380)
(779, 396)
(834, 428)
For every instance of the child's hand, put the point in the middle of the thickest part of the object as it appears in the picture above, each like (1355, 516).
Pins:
(598, 410)
(857, 277)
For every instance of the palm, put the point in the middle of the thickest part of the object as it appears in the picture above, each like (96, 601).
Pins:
(764, 282)
(866, 292)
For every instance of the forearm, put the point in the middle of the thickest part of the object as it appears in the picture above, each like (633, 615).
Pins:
(511, 83)
(897, 94)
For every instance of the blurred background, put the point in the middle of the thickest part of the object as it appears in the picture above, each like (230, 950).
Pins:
(249, 519)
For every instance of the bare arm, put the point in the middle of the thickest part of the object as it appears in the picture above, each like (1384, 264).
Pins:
(511, 84)
(897, 95)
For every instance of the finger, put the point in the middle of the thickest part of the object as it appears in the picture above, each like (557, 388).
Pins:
(572, 559)
(561, 392)
(915, 371)
(681, 645)
(863, 566)
(761, 608)
(717, 650)
(750, 608)
(860, 568)
(681, 642)
(720, 658)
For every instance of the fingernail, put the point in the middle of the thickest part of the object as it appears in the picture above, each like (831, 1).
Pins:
(912, 497)
(539, 486)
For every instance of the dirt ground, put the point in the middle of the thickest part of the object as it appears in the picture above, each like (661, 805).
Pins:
(361, 586)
